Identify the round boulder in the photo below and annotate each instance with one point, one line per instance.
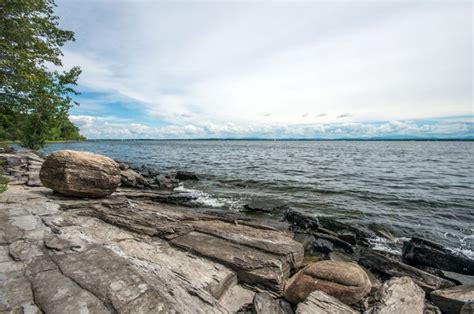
(343, 280)
(80, 174)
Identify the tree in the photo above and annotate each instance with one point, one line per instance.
(35, 97)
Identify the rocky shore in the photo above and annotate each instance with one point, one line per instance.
(81, 233)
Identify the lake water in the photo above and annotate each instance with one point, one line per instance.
(406, 188)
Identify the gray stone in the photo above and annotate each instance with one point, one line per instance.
(15, 291)
(22, 250)
(452, 300)
(399, 295)
(56, 293)
(113, 281)
(319, 302)
(264, 303)
(131, 178)
(59, 244)
(33, 179)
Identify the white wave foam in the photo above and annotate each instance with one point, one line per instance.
(386, 245)
(206, 200)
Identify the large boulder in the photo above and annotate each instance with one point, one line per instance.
(399, 295)
(80, 174)
(345, 281)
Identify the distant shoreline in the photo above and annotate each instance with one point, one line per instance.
(290, 140)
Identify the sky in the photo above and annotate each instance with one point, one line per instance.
(191, 69)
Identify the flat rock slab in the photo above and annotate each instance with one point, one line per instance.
(57, 294)
(453, 299)
(319, 302)
(270, 241)
(252, 266)
(111, 279)
(382, 264)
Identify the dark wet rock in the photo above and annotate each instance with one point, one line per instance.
(420, 251)
(163, 182)
(345, 281)
(315, 243)
(80, 174)
(399, 295)
(186, 175)
(459, 279)
(181, 199)
(468, 308)
(329, 226)
(147, 171)
(347, 237)
(286, 306)
(390, 267)
(123, 165)
(453, 299)
(301, 220)
(323, 246)
(264, 303)
(319, 302)
(340, 257)
(131, 178)
(266, 206)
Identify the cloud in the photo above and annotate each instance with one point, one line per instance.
(235, 66)
(344, 115)
(113, 127)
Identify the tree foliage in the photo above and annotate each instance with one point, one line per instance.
(35, 97)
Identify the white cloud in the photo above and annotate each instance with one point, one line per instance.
(270, 64)
(113, 127)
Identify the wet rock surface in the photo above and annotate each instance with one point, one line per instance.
(390, 267)
(420, 251)
(452, 300)
(186, 175)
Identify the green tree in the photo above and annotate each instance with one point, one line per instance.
(35, 97)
